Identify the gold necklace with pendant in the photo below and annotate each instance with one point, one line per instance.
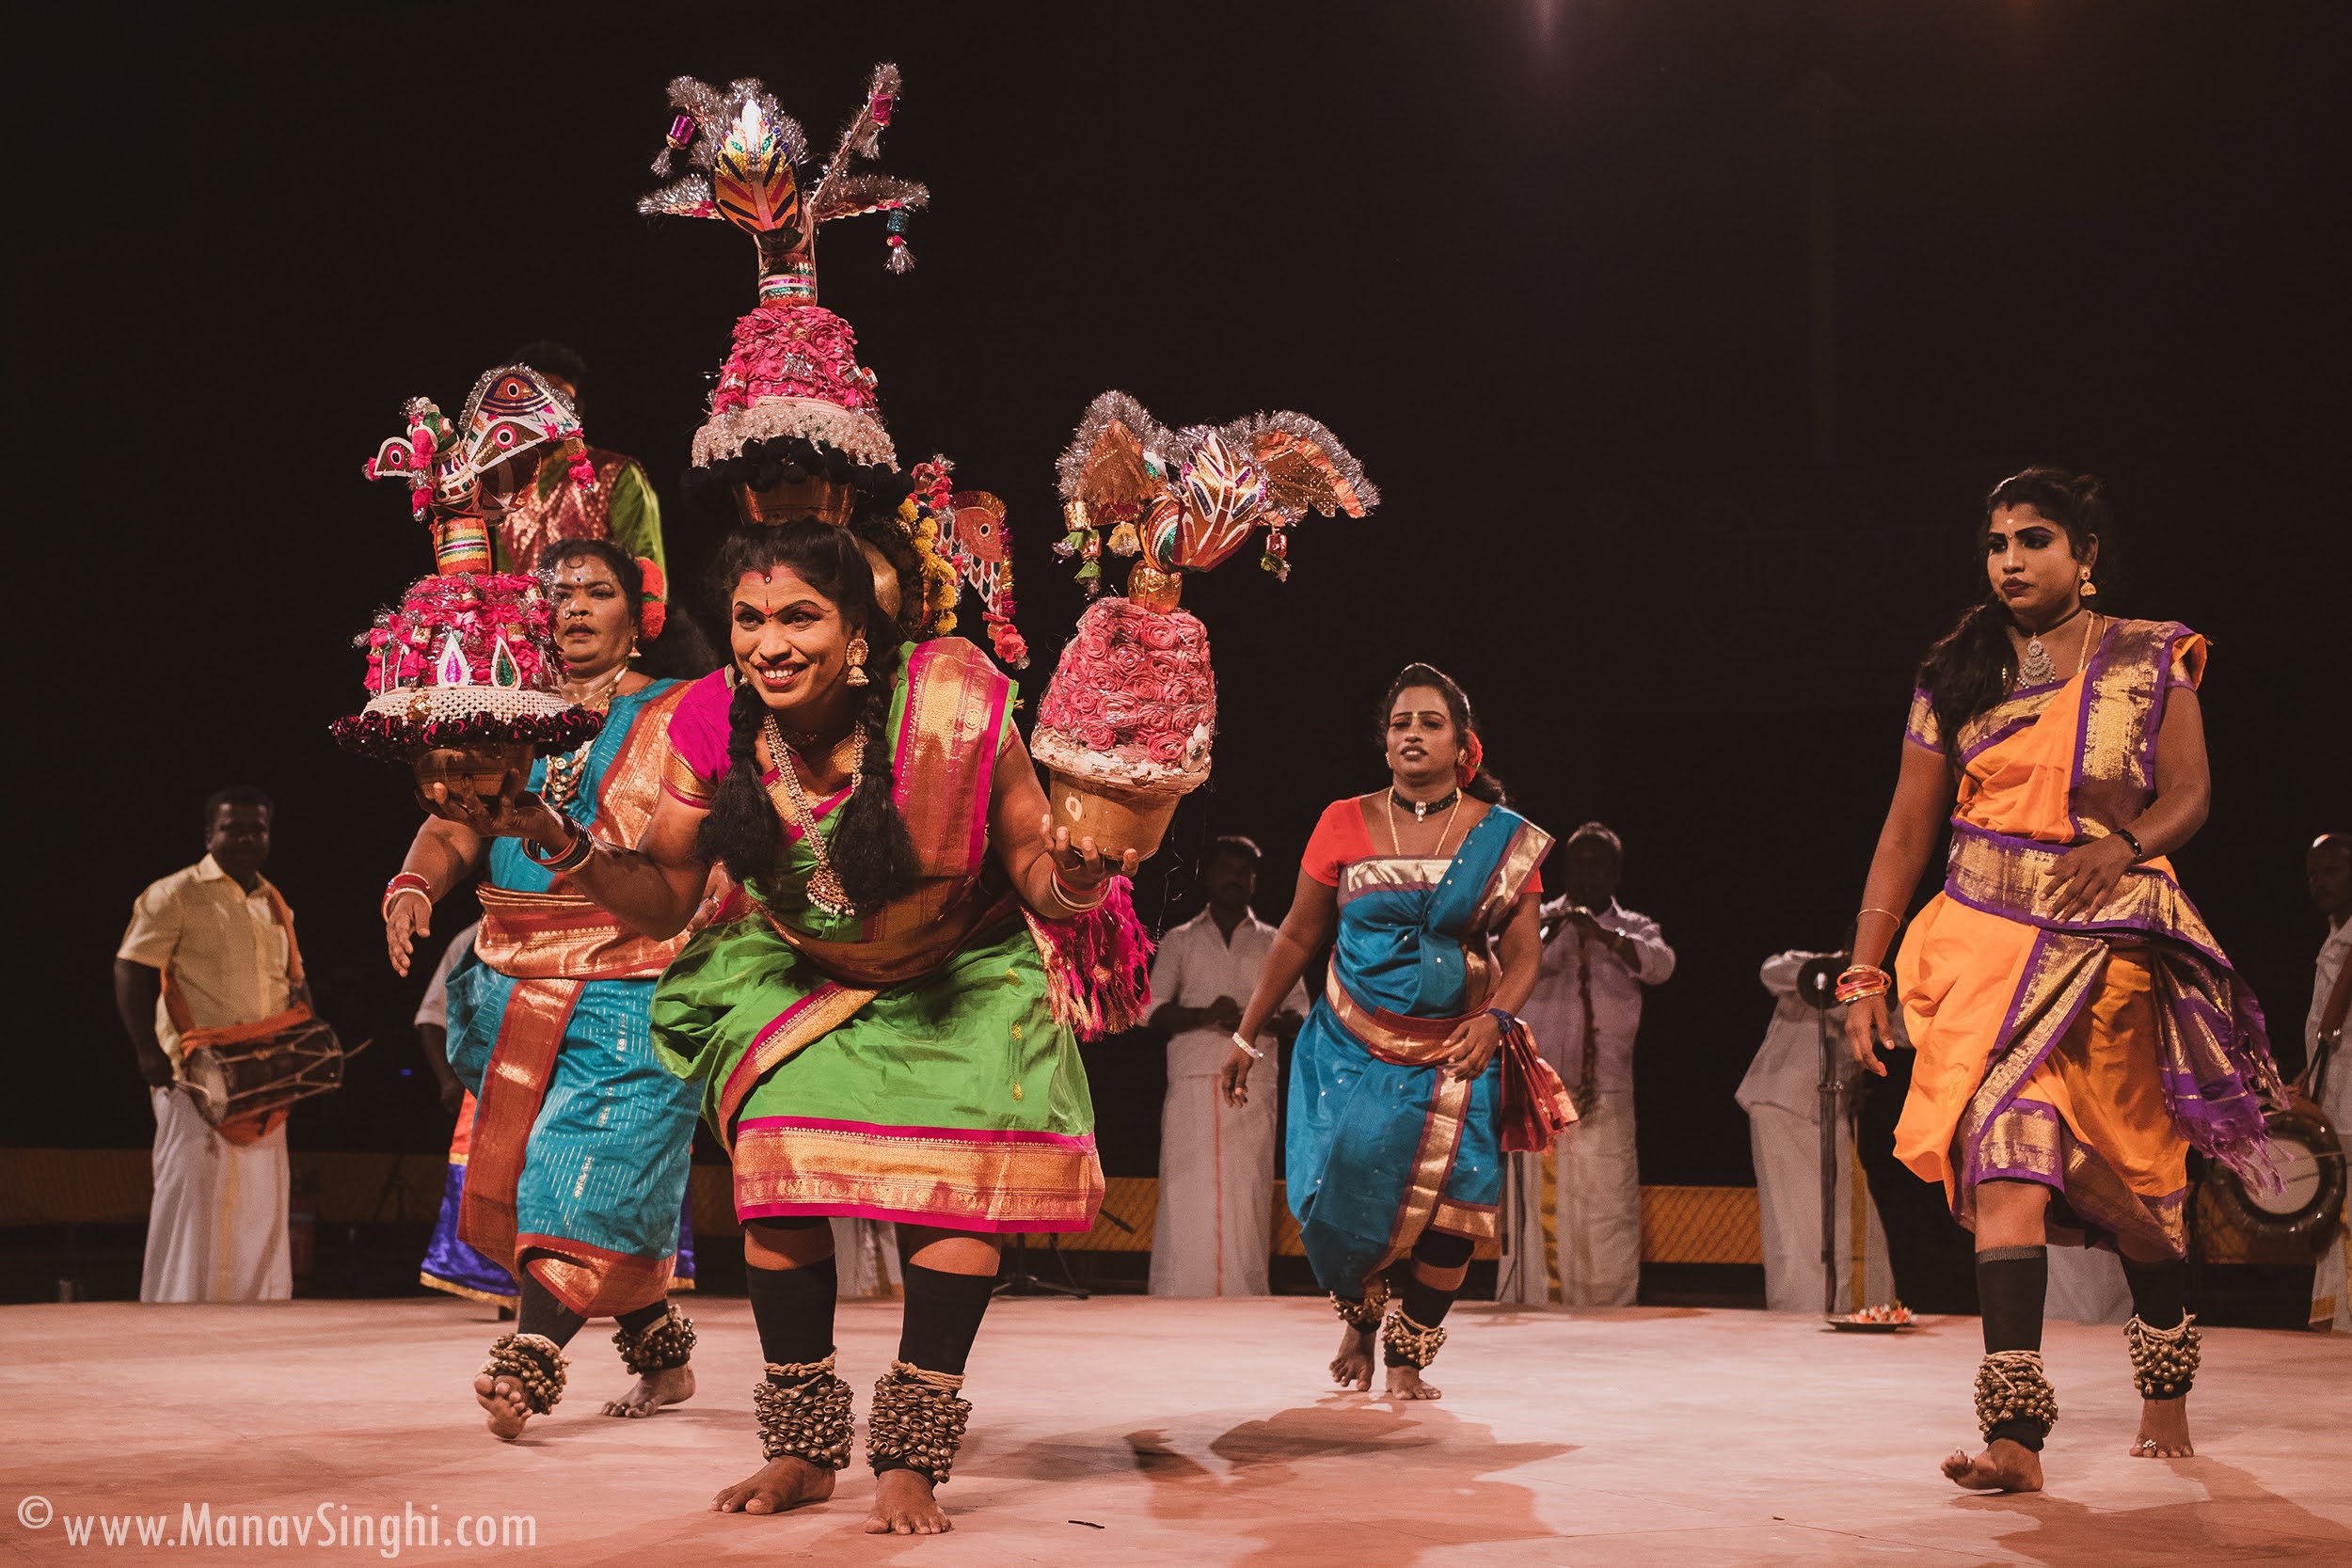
(564, 772)
(1453, 804)
(825, 892)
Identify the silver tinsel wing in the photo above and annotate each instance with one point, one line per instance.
(860, 139)
(859, 193)
(1114, 464)
(1305, 467)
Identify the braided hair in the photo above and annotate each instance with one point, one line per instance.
(1973, 665)
(871, 851)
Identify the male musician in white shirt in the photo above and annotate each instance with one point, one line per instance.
(2328, 1079)
(1574, 1214)
(207, 947)
(1215, 1228)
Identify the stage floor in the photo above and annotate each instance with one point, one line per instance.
(1189, 1432)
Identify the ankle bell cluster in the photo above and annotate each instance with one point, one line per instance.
(1363, 1316)
(533, 1360)
(917, 1422)
(2012, 1386)
(2164, 1360)
(1408, 1343)
(666, 1342)
(803, 1411)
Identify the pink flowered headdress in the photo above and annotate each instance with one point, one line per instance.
(793, 380)
(794, 429)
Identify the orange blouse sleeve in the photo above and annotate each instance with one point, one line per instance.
(1339, 840)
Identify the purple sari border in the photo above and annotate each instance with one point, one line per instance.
(2143, 925)
(1969, 751)
(2051, 1037)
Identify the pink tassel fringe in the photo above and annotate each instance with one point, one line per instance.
(1098, 965)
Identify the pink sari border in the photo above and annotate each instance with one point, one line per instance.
(1081, 1143)
(748, 1071)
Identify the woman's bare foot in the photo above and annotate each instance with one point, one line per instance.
(2163, 1430)
(1405, 1383)
(653, 1390)
(2004, 1467)
(1353, 1365)
(779, 1484)
(903, 1505)
(504, 1399)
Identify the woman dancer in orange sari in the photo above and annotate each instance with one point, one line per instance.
(2078, 1027)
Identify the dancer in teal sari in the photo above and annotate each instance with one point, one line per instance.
(582, 1139)
(1413, 1075)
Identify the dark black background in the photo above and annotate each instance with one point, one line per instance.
(1544, 267)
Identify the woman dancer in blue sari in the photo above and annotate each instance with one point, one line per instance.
(1412, 1076)
(582, 1140)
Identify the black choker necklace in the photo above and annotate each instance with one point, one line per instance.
(1420, 809)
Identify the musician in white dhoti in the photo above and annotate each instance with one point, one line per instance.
(2328, 1078)
(1574, 1215)
(1214, 1226)
(1782, 1096)
(210, 947)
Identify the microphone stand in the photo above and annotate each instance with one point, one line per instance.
(1816, 983)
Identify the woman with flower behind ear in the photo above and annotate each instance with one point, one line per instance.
(2078, 1027)
(1413, 1074)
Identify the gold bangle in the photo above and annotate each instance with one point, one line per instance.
(1859, 982)
(384, 910)
(1874, 910)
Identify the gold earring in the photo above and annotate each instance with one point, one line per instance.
(2090, 587)
(857, 662)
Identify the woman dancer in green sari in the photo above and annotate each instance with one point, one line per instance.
(884, 1023)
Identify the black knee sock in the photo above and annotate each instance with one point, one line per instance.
(645, 1317)
(2159, 1290)
(1442, 1249)
(542, 1313)
(2011, 1283)
(793, 1311)
(943, 1317)
(1420, 1300)
(1426, 1304)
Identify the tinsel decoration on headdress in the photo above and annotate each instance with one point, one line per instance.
(795, 430)
(1131, 710)
(1187, 500)
(468, 658)
(794, 372)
